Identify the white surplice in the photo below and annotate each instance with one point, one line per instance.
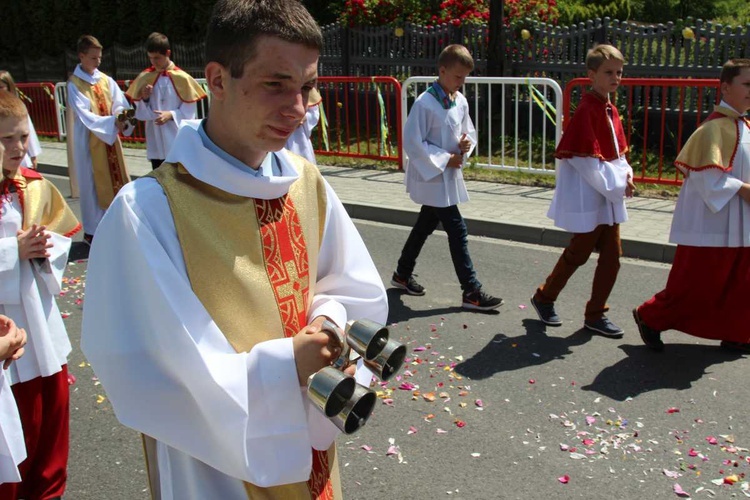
(431, 135)
(218, 416)
(103, 127)
(12, 447)
(159, 138)
(590, 191)
(709, 211)
(27, 295)
(35, 149)
(299, 142)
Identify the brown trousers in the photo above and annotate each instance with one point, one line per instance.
(604, 238)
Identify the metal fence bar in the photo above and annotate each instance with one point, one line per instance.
(654, 148)
(536, 103)
(40, 102)
(343, 97)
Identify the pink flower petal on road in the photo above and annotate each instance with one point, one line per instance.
(419, 349)
(521, 306)
(673, 410)
(407, 386)
(71, 379)
(392, 450)
(671, 474)
(692, 453)
(366, 447)
(441, 431)
(590, 420)
(479, 403)
(412, 430)
(711, 440)
(679, 491)
(564, 479)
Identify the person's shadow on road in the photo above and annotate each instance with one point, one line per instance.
(78, 251)
(644, 370)
(398, 311)
(504, 353)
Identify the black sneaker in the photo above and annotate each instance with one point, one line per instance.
(480, 301)
(408, 284)
(650, 337)
(603, 326)
(546, 312)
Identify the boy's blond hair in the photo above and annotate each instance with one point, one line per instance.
(11, 106)
(732, 68)
(456, 54)
(86, 42)
(600, 53)
(7, 79)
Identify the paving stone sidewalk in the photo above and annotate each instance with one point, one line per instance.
(496, 210)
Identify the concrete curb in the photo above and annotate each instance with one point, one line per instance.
(528, 233)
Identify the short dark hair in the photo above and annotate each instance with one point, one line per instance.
(456, 54)
(86, 42)
(157, 42)
(732, 68)
(236, 25)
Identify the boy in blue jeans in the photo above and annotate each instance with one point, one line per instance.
(438, 136)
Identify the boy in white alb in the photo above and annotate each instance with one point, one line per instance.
(218, 269)
(164, 96)
(35, 230)
(592, 181)
(97, 102)
(438, 135)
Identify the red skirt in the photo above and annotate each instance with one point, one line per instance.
(707, 295)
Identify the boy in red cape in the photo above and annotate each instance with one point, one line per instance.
(592, 181)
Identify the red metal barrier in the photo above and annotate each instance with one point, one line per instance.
(40, 101)
(677, 106)
(359, 126)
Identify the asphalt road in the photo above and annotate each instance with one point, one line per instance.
(495, 406)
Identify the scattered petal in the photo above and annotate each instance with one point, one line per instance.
(412, 430)
(564, 479)
(100, 399)
(673, 410)
(71, 379)
(366, 447)
(671, 474)
(679, 491)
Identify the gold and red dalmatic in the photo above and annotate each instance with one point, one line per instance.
(261, 278)
(108, 163)
(41, 202)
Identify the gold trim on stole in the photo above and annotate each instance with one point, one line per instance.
(44, 205)
(223, 250)
(103, 155)
(188, 90)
